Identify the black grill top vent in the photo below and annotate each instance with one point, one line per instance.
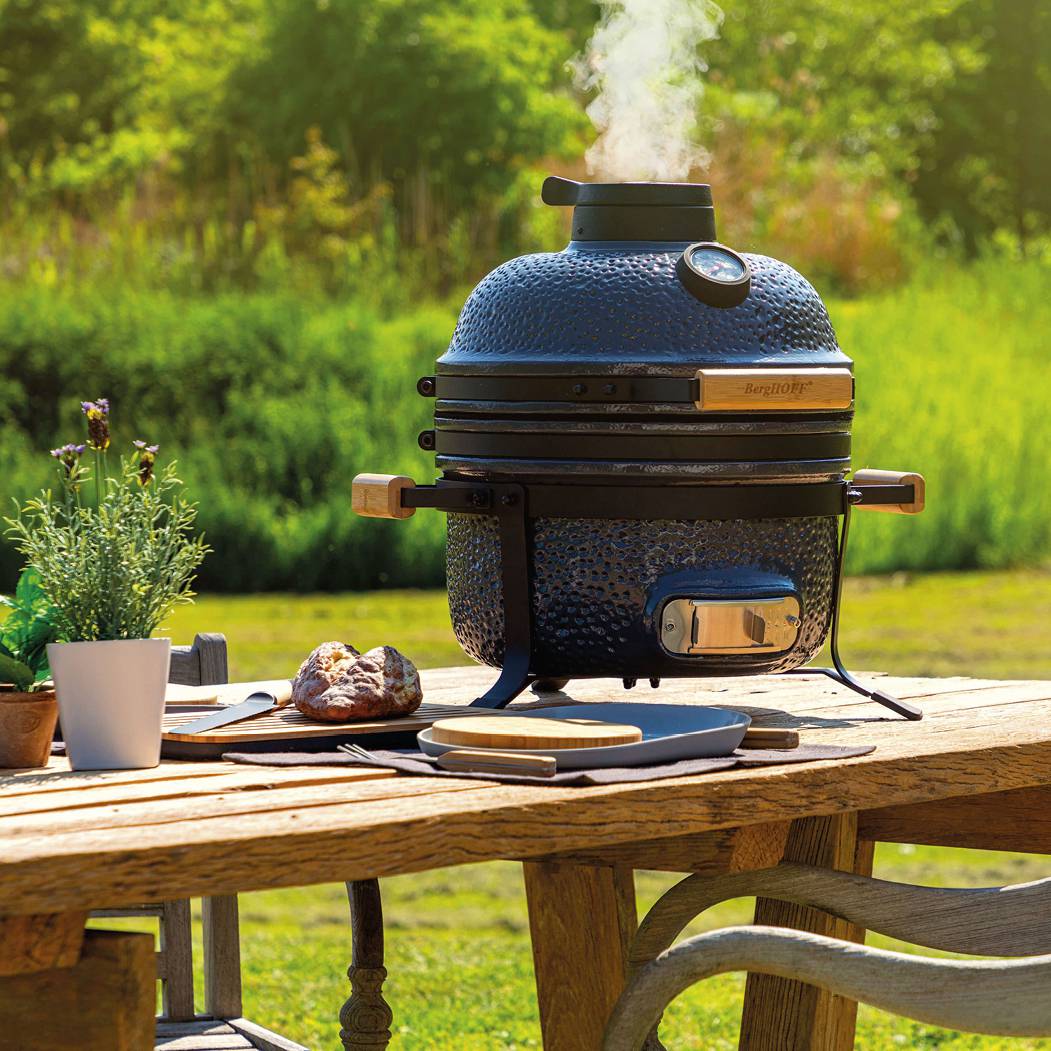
(635, 211)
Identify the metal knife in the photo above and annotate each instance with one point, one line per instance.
(255, 704)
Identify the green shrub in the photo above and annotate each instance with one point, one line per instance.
(270, 404)
(273, 403)
(952, 381)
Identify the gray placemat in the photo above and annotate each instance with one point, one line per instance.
(413, 762)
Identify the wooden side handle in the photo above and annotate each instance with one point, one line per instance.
(490, 761)
(919, 489)
(773, 390)
(379, 496)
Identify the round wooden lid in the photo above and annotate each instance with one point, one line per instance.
(511, 731)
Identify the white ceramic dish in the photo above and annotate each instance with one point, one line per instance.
(670, 732)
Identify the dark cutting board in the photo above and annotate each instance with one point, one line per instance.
(288, 730)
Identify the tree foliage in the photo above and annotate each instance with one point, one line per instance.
(986, 166)
(190, 134)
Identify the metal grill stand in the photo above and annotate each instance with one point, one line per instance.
(512, 504)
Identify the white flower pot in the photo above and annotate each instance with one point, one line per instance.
(111, 701)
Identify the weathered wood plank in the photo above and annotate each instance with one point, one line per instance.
(107, 999)
(225, 805)
(222, 956)
(57, 777)
(42, 942)
(213, 1042)
(263, 1039)
(1018, 820)
(581, 918)
(232, 779)
(204, 1026)
(176, 951)
(708, 853)
(781, 1014)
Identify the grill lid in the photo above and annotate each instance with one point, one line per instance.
(602, 359)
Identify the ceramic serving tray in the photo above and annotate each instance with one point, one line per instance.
(670, 732)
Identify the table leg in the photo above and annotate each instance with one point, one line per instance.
(582, 918)
(784, 1015)
(366, 1017)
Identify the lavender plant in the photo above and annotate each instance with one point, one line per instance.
(114, 553)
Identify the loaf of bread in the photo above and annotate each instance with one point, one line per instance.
(336, 683)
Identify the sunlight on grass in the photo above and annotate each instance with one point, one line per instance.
(983, 624)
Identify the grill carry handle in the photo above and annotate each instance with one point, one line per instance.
(911, 504)
(379, 495)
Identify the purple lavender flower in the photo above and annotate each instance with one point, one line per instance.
(69, 456)
(147, 458)
(97, 413)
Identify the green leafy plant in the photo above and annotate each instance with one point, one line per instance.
(112, 554)
(24, 634)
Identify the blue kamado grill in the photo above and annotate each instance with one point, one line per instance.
(644, 445)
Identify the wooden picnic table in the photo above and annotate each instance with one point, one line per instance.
(975, 772)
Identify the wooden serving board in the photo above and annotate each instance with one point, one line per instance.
(287, 729)
(529, 732)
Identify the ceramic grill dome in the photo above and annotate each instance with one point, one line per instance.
(603, 307)
(644, 441)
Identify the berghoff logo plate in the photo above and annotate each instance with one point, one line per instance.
(773, 390)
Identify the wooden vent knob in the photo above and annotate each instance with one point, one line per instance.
(511, 731)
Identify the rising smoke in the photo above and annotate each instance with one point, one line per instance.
(644, 61)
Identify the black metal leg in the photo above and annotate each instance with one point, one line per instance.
(517, 601)
(366, 1017)
(839, 671)
(514, 678)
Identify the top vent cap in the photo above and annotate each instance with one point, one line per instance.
(559, 191)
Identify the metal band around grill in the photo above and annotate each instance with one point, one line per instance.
(693, 448)
(617, 389)
(699, 502)
(750, 390)
(647, 502)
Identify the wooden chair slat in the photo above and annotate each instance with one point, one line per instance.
(997, 921)
(1000, 998)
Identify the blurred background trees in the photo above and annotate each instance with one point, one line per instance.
(189, 127)
(250, 223)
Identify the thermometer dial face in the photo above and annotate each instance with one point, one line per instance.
(715, 274)
(718, 264)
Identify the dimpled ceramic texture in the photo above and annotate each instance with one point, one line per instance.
(622, 305)
(618, 308)
(591, 580)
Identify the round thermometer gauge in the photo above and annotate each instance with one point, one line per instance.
(715, 274)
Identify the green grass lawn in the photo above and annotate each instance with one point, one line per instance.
(458, 944)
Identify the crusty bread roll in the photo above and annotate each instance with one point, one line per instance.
(338, 684)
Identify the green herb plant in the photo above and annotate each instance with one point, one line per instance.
(113, 554)
(24, 634)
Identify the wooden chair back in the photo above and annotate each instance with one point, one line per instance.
(204, 663)
(996, 997)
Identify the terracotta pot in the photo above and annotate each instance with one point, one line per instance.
(27, 725)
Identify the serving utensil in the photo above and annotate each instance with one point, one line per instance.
(464, 760)
(255, 704)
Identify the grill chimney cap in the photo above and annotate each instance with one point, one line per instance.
(559, 191)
